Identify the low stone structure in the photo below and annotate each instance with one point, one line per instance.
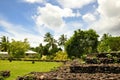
(5, 73)
(74, 70)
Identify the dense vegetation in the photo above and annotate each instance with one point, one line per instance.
(80, 43)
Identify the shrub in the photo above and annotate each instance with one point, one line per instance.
(109, 55)
(115, 59)
(61, 55)
(84, 56)
(44, 57)
(2, 78)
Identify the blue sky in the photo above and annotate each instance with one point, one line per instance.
(31, 19)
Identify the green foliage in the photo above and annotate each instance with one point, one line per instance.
(62, 40)
(109, 55)
(45, 50)
(52, 51)
(103, 47)
(83, 56)
(2, 78)
(51, 42)
(18, 48)
(51, 46)
(103, 44)
(114, 43)
(60, 55)
(44, 57)
(109, 43)
(82, 42)
(4, 44)
(115, 59)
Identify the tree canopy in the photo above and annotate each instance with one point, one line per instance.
(82, 42)
(18, 48)
(4, 44)
(109, 43)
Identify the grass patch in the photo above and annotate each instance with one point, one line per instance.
(20, 68)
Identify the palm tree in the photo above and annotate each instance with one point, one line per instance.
(4, 44)
(50, 40)
(62, 40)
(47, 37)
(105, 36)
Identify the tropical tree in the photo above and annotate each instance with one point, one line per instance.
(109, 43)
(18, 48)
(51, 43)
(82, 42)
(114, 43)
(62, 40)
(4, 44)
(105, 36)
(103, 44)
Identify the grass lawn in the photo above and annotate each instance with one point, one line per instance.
(20, 68)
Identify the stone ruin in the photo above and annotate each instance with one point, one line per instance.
(102, 66)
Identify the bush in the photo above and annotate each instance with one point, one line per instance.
(44, 57)
(60, 55)
(115, 59)
(109, 55)
(84, 56)
(2, 78)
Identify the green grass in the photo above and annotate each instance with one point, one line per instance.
(20, 68)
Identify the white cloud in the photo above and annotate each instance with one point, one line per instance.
(68, 29)
(17, 32)
(109, 21)
(34, 1)
(89, 17)
(74, 3)
(109, 8)
(51, 16)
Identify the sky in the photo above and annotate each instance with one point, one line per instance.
(31, 19)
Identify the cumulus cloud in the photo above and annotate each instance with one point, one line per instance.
(51, 16)
(109, 21)
(34, 1)
(74, 3)
(89, 17)
(109, 8)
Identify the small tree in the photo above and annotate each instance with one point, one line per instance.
(51, 45)
(18, 48)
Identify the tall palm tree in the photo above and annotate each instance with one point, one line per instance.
(50, 40)
(4, 44)
(62, 40)
(47, 37)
